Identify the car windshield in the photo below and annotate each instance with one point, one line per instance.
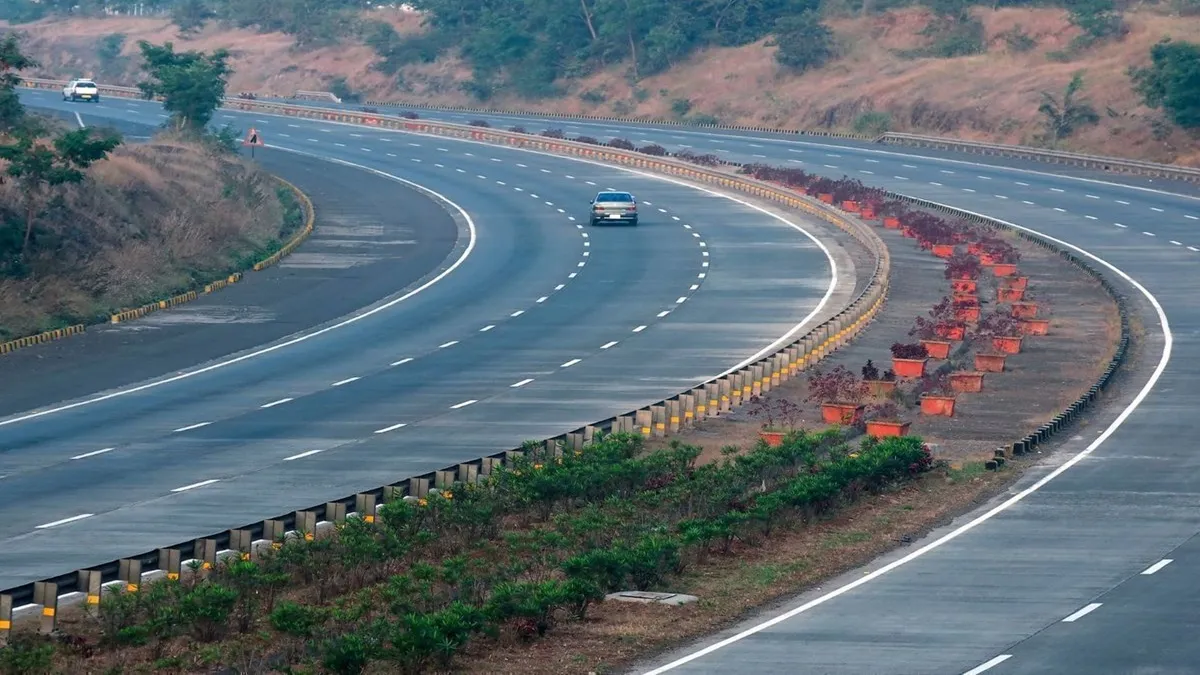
(614, 197)
(85, 83)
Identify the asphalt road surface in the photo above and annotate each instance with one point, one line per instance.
(535, 325)
(1066, 573)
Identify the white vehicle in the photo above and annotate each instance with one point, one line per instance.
(81, 89)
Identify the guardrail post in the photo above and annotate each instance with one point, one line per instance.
(45, 593)
(736, 382)
(687, 404)
(170, 562)
(645, 421)
(273, 531)
(6, 608)
(674, 419)
(242, 542)
(364, 504)
(725, 389)
(469, 473)
(443, 479)
(130, 572)
(335, 512)
(89, 585)
(747, 384)
(392, 493)
(489, 464)
(589, 434)
(758, 385)
(206, 552)
(658, 414)
(418, 487)
(306, 524)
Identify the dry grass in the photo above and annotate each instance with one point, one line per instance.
(152, 220)
(996, 100)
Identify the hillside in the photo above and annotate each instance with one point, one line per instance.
(152, 220)
(990, 96)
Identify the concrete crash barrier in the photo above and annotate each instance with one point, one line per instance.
(706, 400)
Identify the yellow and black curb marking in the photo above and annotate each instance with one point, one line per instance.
(48, 336)
(310, 217)
(138, 312)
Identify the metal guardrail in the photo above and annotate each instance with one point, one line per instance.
(709, 399)
(1094, 162)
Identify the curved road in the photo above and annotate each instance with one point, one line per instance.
(540, 325)
(1087, 564)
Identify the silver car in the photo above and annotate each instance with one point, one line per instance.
(614, 207)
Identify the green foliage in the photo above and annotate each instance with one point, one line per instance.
(206, 610)
(12, 61)
(953, 37)
(1172, 81)
(108, 53)
(191, 83)
(804, 42)
(1063, 117)
(1098, 19)
(680, 107)
(296, 619)
(341, 89)
(27, 655)
(1017, 40)
(39, 167)
(873, 123)
(397, 51)
(190, 15)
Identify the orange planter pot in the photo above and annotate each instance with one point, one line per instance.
(990, 363)
(880, 388)
(1015, 282)
(882, 429)
(986, 260)
(1007, 345)
(1009, 294)
(891, 223)
(772, 438)
(964, 285)
(1004, 269)
(850, 206)
(937, 349)
(1035, 326)
(841, 413)
(967, 382)
(949, 332)
(937, 405)
(967, 313)
(867, 214)
(825, 197)
(966, 298)
(943, 250)
(908, 233)
(974, 249)
(1024, 310)
(908, 367)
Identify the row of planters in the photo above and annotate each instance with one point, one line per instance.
(501, 561)
(963, 339)
(652, 149)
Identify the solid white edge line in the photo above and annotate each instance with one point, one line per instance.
(1087, 609)
(988, 665)
(310, 453)
(93, 453)
(193, 486)
(471, 241)
(1157, 566)
(1168, 341)
(64, 521)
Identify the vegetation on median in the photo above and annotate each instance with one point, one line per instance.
(504, 560)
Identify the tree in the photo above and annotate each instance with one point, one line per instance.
(190, 15)
(192, 84)
(1063, 118)
(12, 61)
(39, 167)
(1098, 19)
(803, 41)
(1172, 81)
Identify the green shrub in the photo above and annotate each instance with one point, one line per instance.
(206, 609)
(804, 42)
(27, 655)
(1172, 81)
(873, 123)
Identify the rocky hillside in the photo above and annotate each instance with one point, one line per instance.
(877, 78)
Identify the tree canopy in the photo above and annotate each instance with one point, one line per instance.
(191, 84)
(1172, 81)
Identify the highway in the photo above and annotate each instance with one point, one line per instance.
(1054, 576)
(540, 325)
